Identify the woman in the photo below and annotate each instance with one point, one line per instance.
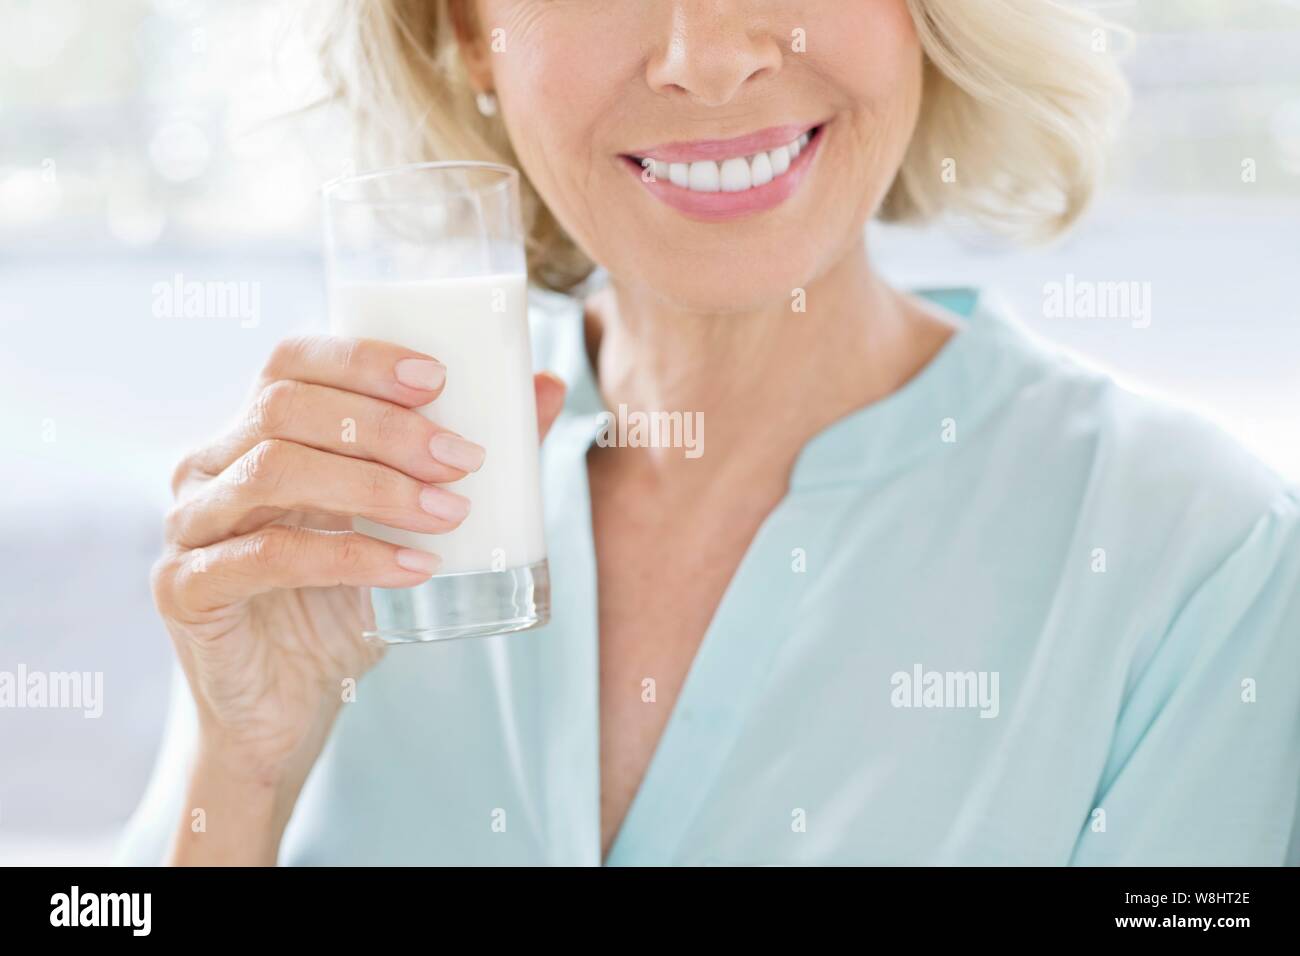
(932, 594)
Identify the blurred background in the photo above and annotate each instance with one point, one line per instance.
(146, 140)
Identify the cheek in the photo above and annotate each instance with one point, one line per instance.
(558, 88)
(555, 85)
(874, 59)
(872, 52)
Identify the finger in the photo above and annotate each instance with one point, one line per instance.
(276, 477)
(344, 423)
(197, 582)
(550, 390)
(365, 366)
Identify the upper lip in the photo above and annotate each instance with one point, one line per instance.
(701, 150)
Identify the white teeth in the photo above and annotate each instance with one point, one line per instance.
(704, 177)
(731, 175)
(780, 159)
(735, 176)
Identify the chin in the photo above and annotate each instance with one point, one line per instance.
(723, 274)
(720, 289)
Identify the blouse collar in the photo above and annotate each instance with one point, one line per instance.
(939, 407)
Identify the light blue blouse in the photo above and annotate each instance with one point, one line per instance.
(1011, 614)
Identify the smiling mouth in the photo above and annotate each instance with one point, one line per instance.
(734, 174)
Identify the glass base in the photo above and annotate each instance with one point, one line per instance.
(471, 604)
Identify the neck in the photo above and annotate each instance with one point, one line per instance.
(764, 382)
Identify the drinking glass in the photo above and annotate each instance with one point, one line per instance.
(430, 256)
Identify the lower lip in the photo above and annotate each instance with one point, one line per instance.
(722, 207)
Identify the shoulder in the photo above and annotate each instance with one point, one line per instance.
(1167, 482)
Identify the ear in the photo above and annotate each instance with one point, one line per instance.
(472, 42)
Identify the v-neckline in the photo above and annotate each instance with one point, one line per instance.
(724, 673)
(701, 724)
(740, 641)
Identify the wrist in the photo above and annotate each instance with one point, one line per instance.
(241, 766)
(236, 810)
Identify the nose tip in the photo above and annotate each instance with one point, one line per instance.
(710, 57)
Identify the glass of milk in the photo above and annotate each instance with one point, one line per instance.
(431, 256)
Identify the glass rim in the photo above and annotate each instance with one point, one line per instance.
(330, 190)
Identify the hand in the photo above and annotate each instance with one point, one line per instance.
(262, 585)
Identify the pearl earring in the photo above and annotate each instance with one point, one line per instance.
(487, 103)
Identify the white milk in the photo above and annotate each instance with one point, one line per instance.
(478, 328)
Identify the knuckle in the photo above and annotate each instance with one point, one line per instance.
(263, 465)
(273, 408)
(174, 522)
(392, 425)
(181, 577)
(349, 554)
(270, 547)
(162, 581)
(379, 485)
(287, 355)
(186, 467)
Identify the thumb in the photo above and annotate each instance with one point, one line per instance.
(550, 390)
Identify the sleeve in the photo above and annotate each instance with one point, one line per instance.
(148, 834)
(1204, 765)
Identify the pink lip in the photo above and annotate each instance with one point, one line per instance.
(719, 149)
(720, 206)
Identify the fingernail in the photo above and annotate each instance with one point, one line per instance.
(419, 561)
(456, 451)
(421, 373)
(443, 504)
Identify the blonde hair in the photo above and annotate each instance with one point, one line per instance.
(1019, 106)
